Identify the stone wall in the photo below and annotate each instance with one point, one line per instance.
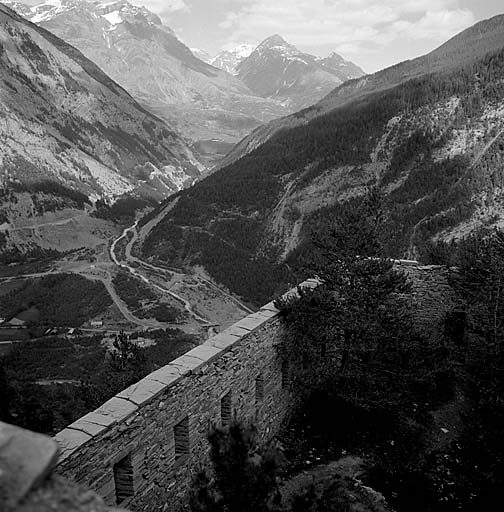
(432, 294)
(140, 449)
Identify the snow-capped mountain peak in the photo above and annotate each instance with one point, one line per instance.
(114, 12)
(50, 8)
(202, 55)
(121, 10)
(277, 69)
(275, 41)
(278, 46)
(18, 7)
(242, 50)
(228, 60)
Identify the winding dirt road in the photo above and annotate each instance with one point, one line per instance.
(130, 259)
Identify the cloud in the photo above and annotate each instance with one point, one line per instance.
(435, 23)
(356, 25)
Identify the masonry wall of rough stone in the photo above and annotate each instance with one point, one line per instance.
(432, 295)
(136, 428)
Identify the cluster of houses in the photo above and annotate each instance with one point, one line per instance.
(18, 323)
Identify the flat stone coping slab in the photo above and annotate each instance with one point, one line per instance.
(70, 440)
(143, 391)
(223, 341)
(251, 322)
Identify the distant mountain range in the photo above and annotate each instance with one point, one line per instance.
(211, 108)
(278, 70)
(428, 133)
(63, 119)
(145, 57)
(68, 121)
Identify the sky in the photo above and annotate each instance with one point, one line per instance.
(372, 33)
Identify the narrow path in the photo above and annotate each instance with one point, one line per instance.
(59, 222)
(28, 276)
(485, 149)
(222, 292)
(123, 308)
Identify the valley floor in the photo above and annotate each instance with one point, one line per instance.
(205, 307)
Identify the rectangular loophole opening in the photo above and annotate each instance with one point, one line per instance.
(259, 389)
(181, 434)
(123, 479)
(226, 408)
(285, 374)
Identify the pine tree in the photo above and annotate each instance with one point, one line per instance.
(243, 476)
(352, 337)
(127, 355)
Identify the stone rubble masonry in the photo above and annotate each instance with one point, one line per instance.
(432, 295)
(137, 425)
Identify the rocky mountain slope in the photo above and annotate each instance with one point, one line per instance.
(135, 49)
(430, 138)
(62, 119)
(278, 70)
(463, 48)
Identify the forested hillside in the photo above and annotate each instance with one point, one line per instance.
(433, 147)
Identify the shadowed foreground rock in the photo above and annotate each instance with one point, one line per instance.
(26, 481)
